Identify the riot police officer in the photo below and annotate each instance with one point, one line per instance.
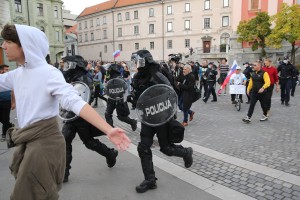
(295, 79)
(247, 72)
(75, 71)
(286, 70)
(211, 74)
(119, 104)
(149, 74)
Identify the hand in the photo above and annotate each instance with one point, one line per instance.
(118, 137)
(277, 88)
(248, 93)
(261, 90)
(13, 106)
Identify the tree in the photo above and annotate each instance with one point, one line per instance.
(255, 31)
(287, 28)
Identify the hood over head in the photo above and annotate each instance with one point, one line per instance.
(35, 45)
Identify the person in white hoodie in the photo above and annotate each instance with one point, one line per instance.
(39, 159)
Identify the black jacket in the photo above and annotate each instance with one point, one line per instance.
(187, 89)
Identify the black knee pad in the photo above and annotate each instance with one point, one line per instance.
(143, 149)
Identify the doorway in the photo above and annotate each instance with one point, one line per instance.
(206, 46)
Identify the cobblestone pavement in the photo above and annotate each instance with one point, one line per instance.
(273, 144)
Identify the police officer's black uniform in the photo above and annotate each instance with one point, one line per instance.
(295, 79)
(211, 74)
(286, 70)
(121, 105)
(247, 72)
(85, 130)
(149, 75)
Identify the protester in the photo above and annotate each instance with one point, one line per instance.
(39, 88)
(237, 78)
(224, 69)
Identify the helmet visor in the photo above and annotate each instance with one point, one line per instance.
(69, 65)
(138, 61)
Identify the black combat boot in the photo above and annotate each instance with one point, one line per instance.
(130, 121)
(102, 149)
(149, 183)
(185, 153)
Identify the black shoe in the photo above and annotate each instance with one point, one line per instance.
(204, 100)
(287, 104)
(248, 102)
(213, 100)
(66, 179)
(146, 185)
(282, 102)
(112, 158)
(188, 159)
(292, 95)
(242, 101)
(134, 125)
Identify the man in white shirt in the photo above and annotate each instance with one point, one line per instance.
(237, 78)
(39, 159)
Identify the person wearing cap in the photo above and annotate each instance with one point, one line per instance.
(211, 74)
(286, 70)
(224, 69)
(237, 78)
(247, 72)
(273, 74)
(258, 84)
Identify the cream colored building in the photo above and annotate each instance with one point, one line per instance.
(162, 27)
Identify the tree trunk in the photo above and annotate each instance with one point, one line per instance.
(293, 53)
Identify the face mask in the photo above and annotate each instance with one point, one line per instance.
(285, 61)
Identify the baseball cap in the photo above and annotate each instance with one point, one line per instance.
(238, 67)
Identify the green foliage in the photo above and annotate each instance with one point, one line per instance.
(256, 30)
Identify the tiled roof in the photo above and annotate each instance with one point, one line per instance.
(111, 4)
(73, 29)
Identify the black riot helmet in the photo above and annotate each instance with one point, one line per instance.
(71, 62)
(141, 58)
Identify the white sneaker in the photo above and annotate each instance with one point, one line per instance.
(264, 118)
(247, 119)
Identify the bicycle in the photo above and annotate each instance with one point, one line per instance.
(237, 90)
(238, 102)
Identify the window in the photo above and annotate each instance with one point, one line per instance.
(85, 37)
(225, 3)
(92, 36)
(225, 21)
(119, 32)
(187, 43)
(18, 6)
(104, 34)
(57, 36)
(169, 26)
(187, 7)
(40, 9)
(55, 12)
(151, 45)
(91, 23)
(120, 47)
(206, 22)
(169, 10)
(151, 28)
(105, 48)
(206, 4)
(187, 24)
(151, 12)
(80, 38)
(79, 26)
(127, 16)
(97, 22)
(136, 30)
(136, 46)
(224, 41)
(104, 20)
(169, 44)
(119, 17)
(136, 14)
(85, 24)
(254, 4)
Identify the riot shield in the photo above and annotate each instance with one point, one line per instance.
(84, 92)
(157, 105)
(116, 89)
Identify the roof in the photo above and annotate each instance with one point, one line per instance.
(73, 29)
(111, 4)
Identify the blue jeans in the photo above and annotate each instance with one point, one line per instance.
(186, 114)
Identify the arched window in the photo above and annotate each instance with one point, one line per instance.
(224, 40)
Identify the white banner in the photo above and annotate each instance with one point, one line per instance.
(237, 89)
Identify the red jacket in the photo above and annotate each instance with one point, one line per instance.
(273, 74)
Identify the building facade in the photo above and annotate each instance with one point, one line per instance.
(4, 19)
(163, 27)
(45, 15)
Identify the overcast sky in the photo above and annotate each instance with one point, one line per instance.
(77, 6)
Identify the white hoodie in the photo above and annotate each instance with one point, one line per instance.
(38, 86)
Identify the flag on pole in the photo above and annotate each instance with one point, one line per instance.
(117, 53)
(232, 70)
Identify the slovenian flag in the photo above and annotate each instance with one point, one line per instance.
(232, 70)
(117, 53)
